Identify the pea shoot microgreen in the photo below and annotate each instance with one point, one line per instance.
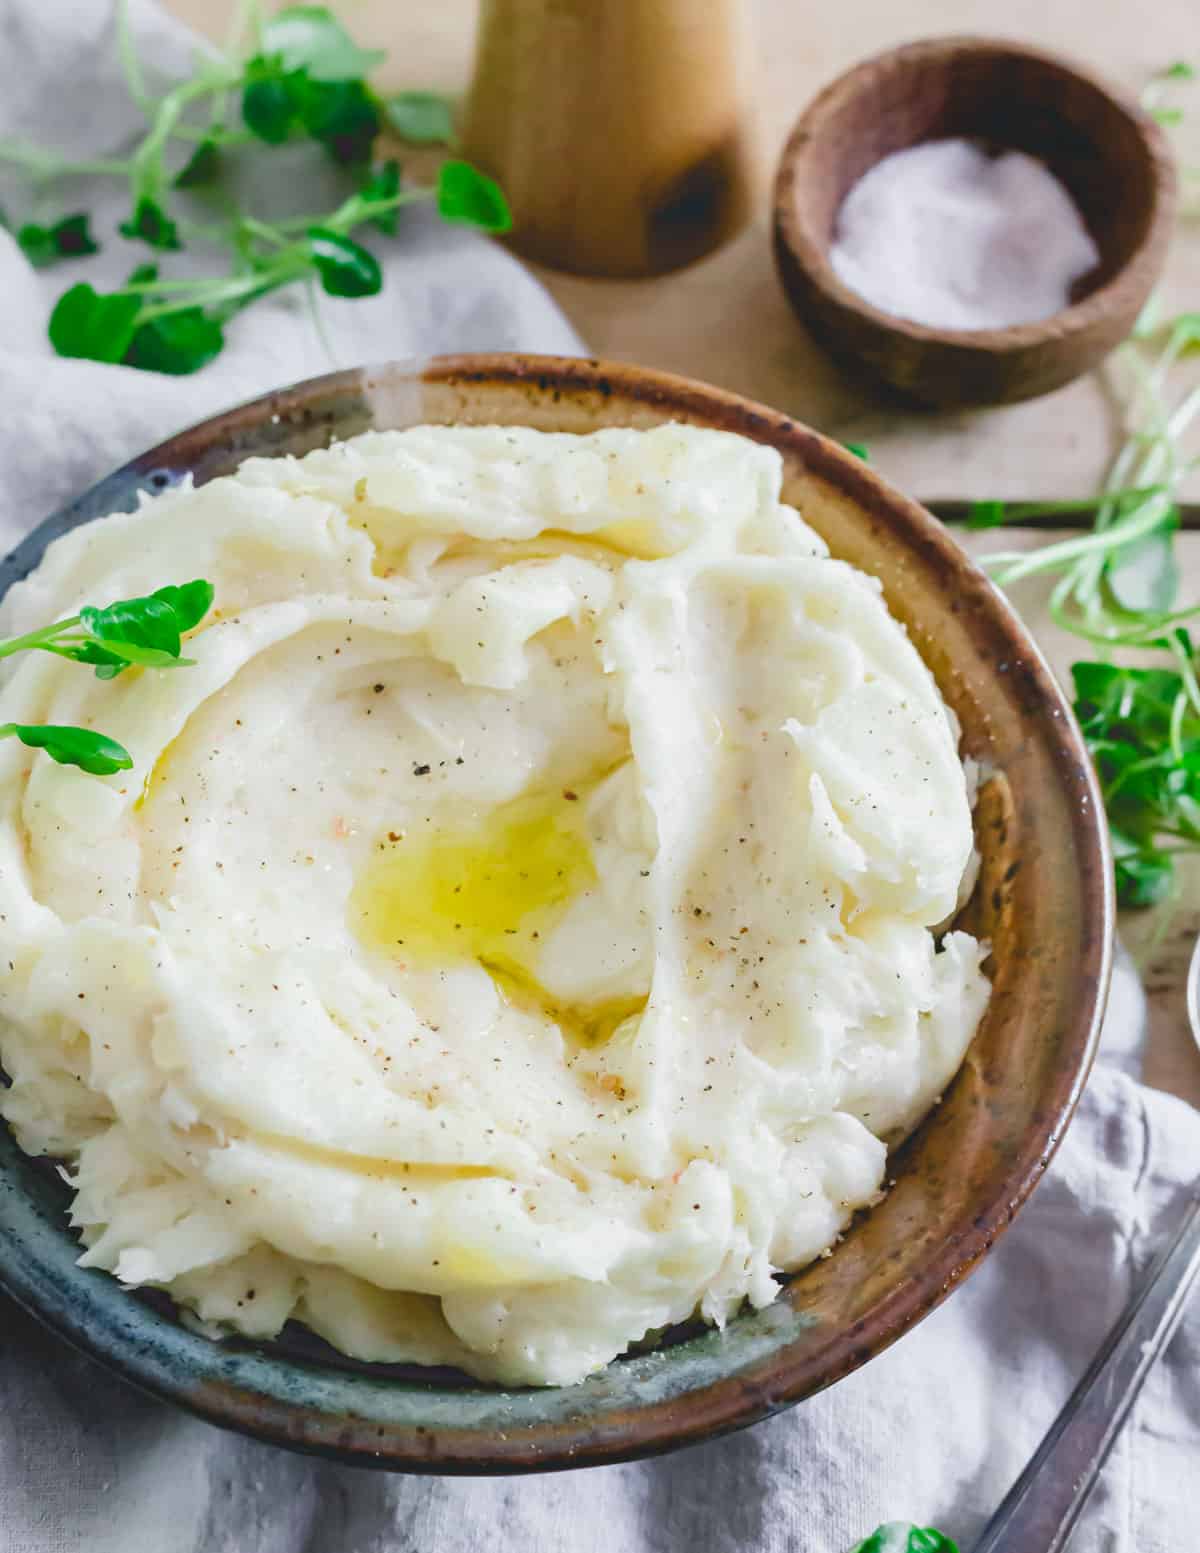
(90, 751)
(903, 1537)
(1116, 587)
(1153, 97)
(302, 76)
(139, 632)
(69, 238)
(421, 118)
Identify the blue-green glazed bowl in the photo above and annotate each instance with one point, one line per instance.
(1044, 899)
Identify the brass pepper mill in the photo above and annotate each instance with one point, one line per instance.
(618, 128)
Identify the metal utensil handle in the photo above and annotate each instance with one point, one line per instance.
(1041, 1508)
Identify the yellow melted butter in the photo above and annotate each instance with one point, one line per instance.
(155, 776)
(416, 1172)
(488, 890)
(482, 1269)
(480, 891)
(630, 539)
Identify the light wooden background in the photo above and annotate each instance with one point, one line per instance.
(725, 318)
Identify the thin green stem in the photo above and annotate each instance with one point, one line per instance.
(264, 231)
(147, 173)
(234, 292)
(1187, 673)
(368, 210)
(239, 24)
(33, 639)
(1135, 768)
(354, 212)
(1020, 564)
(217, 133)
(1148, 636)
(313, 300)
(249, 35)
(1021, 511)
(192, 288)
(131, 65)
(229, 294)
(1175, 735)
(206, 232)
(45, 165)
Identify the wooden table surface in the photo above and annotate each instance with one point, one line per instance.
(725, 318)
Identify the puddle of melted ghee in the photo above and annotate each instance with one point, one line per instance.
(590, 1024)
(488, 890)
(630, 539)
(155, 776)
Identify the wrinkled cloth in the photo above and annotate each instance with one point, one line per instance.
(66, 423)
(934, 1429)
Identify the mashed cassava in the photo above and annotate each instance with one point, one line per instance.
(518, 930)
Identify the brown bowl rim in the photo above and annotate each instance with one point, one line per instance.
(772, 1384)
(811, 256)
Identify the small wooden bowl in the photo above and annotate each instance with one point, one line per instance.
(1111, 157)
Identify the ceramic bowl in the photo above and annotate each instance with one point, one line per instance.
(1044, 897)
(1110, 155)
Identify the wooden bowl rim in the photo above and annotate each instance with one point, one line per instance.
(792, 229)
(229, 1385)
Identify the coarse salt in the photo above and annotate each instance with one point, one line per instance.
(945, 235)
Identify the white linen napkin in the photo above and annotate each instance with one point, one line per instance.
(933, 1430)
(66, 423)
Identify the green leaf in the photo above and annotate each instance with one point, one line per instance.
(1184, 333)
(924, 1539)
(190, 601)
(72, 237)
(176, 343)
(36, 244)
(903, 1537)
(1101, 688)
(269, 107)
(144, 631)
(421, 118)
(467, 196)
(309, 72)
(341, 115)
(859, 449)
(345, 268)
(150, 621)
(1144, 737)
(1144, 877)
(151, 224)
(142, 275)
(310, 38)
(203, 166)
(130, 653)
(383, 183)
(69, 238)
(107, 664)
(1179, 71)
(81, 747)
(92, 325)
(1145, 577)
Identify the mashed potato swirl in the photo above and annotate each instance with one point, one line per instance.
(518, 930)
